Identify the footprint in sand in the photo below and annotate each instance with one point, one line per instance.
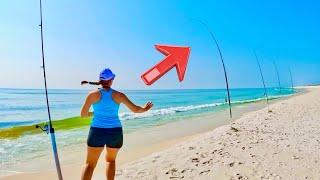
(239, 177)
(214, 151)
(204, 172)
(231, 164)
(195, 160)
(175, 174)
(185, 170)
(207, 162)
(173, 170)
(176, 177)
(295, 157)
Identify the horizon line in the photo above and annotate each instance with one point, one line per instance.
(286, 87)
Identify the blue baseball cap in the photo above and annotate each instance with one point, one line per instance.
(106, 75)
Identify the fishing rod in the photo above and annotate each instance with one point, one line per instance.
(291, 79)
(48, 128)
(276, 68)
(263, 82)
(222, 61)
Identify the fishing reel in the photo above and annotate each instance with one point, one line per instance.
(44, 128)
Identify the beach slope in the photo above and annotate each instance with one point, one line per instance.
(282, 144)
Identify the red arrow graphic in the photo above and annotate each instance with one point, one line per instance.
(175, 56)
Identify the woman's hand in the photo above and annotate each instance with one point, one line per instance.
(148, 106)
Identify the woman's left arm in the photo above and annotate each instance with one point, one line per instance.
(134, 108)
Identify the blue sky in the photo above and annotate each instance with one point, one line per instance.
(83, 37)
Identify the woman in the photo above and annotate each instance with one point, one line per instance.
(106, 128)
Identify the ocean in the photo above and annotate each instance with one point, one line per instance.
(25, 107)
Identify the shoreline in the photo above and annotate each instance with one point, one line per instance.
(76, 122)
(133, 151)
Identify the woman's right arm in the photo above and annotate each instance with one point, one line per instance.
(134, 108)
(86, 106)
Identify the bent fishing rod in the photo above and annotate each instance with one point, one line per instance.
(262, 79)
(48, 128)
(222, 61)
(291, 79)
(276, 68)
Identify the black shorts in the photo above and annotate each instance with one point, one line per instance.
(110, 137)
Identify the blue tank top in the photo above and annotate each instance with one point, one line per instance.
(105, 111)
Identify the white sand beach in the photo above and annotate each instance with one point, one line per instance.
(282, 144)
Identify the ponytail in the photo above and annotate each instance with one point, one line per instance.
(88, 82)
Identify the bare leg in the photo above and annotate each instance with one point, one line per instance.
(111, 162)
(93, 154)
